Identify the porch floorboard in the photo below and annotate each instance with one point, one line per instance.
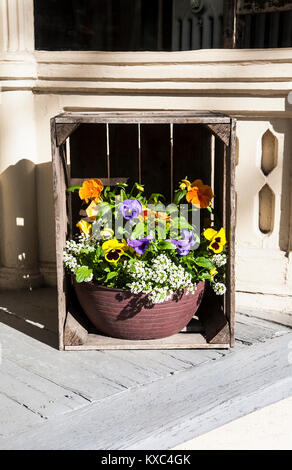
(129, 399)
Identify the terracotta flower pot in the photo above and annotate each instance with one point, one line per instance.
(121, 314)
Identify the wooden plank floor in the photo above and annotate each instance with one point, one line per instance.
(121, 399)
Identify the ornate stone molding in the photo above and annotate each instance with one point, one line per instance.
(17, 25)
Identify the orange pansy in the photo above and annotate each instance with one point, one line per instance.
(200, 195)
(91, 189)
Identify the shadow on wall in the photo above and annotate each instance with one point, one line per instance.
(27, 231)
(46, 222)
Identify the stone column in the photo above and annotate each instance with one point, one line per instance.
(18, 202)
(16, 25)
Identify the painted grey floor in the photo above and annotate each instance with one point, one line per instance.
(129, 399)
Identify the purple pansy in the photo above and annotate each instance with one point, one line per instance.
(131, 208)
(185, 244)
(140, 246)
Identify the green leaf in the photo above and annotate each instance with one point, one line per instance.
(205, 276)
(85, 251)
(179, 194)
(98, 252)
(123, 195)
(138, 230)
(204, 262)
(106, 190)
(180, 222)
(103, 208)
(111, 275)
(73, 188)
(172, 209)
(82, 273)
(161, 230)
(165, 245)
(155, 197)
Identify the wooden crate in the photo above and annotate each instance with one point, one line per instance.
(158, 149)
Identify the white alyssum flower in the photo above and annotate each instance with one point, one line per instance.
(219, 288)
(219, 259)
(73, 249)
(70, 262)
(159, 281)
(89, 278)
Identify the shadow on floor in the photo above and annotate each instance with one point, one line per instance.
(34, 313)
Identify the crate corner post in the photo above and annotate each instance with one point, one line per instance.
(60, 187)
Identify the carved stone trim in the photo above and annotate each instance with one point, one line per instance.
(16, 25)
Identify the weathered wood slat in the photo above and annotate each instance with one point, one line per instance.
(74, 332)
(71, 372)
(179, 341)
(252, 330)
(106, 181)
(273, 321)
(92, 374)
(198, 117)
(264, 377)
(39, 395)
(277, 318)
(39, 383)
(198, 357)
(15, 417)
(230, 223)
(59, 184)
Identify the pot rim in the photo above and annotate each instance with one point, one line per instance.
(116, 289)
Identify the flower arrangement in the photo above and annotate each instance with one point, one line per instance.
(129, 241)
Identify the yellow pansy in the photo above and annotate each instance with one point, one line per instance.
(185, 184)
(112, 256)
(217, 239)
(92, 210)
(213, 272)
(140, 187)
(113, 249)
(84, 226)
(107, 233)
(113, 244)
